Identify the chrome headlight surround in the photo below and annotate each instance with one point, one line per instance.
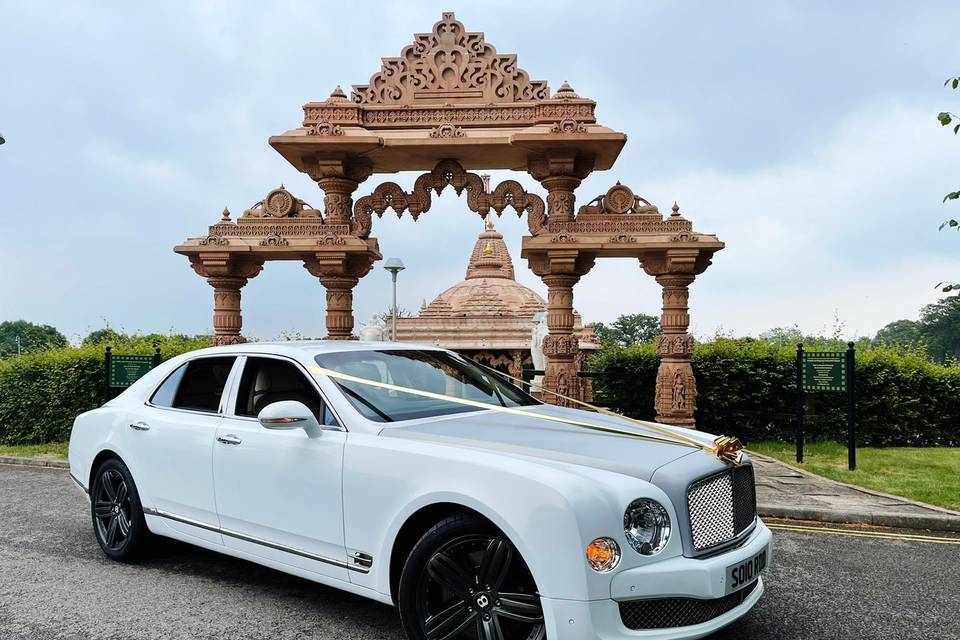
(646, 525)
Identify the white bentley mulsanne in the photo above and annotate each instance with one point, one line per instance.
(478, 511)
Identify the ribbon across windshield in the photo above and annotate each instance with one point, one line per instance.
(404, 384)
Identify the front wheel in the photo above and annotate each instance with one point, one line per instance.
(465, 580)
(117, 515)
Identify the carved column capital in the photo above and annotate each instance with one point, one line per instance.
(339, 178)
(560, 173)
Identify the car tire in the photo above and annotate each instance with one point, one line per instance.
(118, 522)
(465, 579)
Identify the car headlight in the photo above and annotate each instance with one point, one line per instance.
(603, 554)
(646, 525)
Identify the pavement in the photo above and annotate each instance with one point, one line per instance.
(785, 491)
(55, 583)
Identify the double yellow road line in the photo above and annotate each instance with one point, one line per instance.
(860, 533)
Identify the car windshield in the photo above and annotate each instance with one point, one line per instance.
(434, 371)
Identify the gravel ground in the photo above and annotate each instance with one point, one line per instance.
(56, 583)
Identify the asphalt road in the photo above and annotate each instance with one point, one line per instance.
(56, 583)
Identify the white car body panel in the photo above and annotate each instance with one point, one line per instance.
(339, 492)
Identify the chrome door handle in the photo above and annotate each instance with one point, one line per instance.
(140, 426)
(229, 439)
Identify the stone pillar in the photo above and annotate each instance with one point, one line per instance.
(560, 174)
(560, 197)
(676, 388)
(560, 346)
(339, 306)
(337, 198)
(227, 318)
(227, 274)
(339, 273)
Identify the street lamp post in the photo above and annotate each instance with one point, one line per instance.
(394, 266)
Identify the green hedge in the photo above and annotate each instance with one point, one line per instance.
(41, 393)
(747, 388)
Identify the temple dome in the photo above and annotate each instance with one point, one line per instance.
(489, 288)
(488, 314)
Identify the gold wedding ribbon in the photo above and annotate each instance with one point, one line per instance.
(723, 451)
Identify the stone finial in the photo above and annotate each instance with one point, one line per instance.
(226, 215)
(490, 224)
(676, 210)
(337, 95)
(565, 92)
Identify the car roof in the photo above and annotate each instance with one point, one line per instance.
(312, 347)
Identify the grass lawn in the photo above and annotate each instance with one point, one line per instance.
(51, 451)
(930, 474)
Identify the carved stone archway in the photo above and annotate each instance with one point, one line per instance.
(448, 105)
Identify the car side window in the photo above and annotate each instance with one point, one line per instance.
(167, 392)
(268, 380)
(200, 384)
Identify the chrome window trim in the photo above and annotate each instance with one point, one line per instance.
(226, 387)
(252, 539)
(231, 409)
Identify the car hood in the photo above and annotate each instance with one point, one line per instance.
(515, 434)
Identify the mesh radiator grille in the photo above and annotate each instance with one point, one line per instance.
(721, 507)
(666, 613)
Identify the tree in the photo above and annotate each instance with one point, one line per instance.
(940, 327)
(782, 335)
(900, 333)
(634, 328)
(946, 119)
(33, 337)
(102, 336)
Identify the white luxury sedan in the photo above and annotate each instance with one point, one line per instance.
(415, 477)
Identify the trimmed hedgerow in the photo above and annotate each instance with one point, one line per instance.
(747, 388)
(42, 392)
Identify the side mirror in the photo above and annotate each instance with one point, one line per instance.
(288, 414)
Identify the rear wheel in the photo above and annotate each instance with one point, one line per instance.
(465, 580)
(117, 515)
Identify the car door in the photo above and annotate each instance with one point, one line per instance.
(173, 445)
(279, 492)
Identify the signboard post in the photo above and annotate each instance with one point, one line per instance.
(827, 371)
(121, 371)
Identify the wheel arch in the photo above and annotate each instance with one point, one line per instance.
(417, 524)
(99, 459)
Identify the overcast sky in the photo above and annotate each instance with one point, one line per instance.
(802, 133)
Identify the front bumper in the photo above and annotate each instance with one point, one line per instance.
(676, 577)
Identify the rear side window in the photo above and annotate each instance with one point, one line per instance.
(167, 392)
(197, 385)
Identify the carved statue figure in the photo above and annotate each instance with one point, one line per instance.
(537, 335)
(375, 330)
(679, 401)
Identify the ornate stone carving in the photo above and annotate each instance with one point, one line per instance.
(325, 129)
(568, 125)
(668, 345)
(560, 345)
(274, 240)
(331, 240)
(622, 238)
(214, 240)
(684, 236)
(618, 200)
(389, 195)
(449, 64)
(447, 130)
(564, 238)
(280, 203)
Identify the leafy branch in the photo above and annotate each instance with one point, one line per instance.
(946, 119)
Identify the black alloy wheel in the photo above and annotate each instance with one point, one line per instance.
(469, 585)
(117, 516)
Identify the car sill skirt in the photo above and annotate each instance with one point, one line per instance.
(247, 538)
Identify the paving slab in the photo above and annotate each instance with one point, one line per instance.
(784, 491)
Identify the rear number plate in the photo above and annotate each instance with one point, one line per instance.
(743, 573)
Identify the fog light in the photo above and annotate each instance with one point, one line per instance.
(603, 554)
